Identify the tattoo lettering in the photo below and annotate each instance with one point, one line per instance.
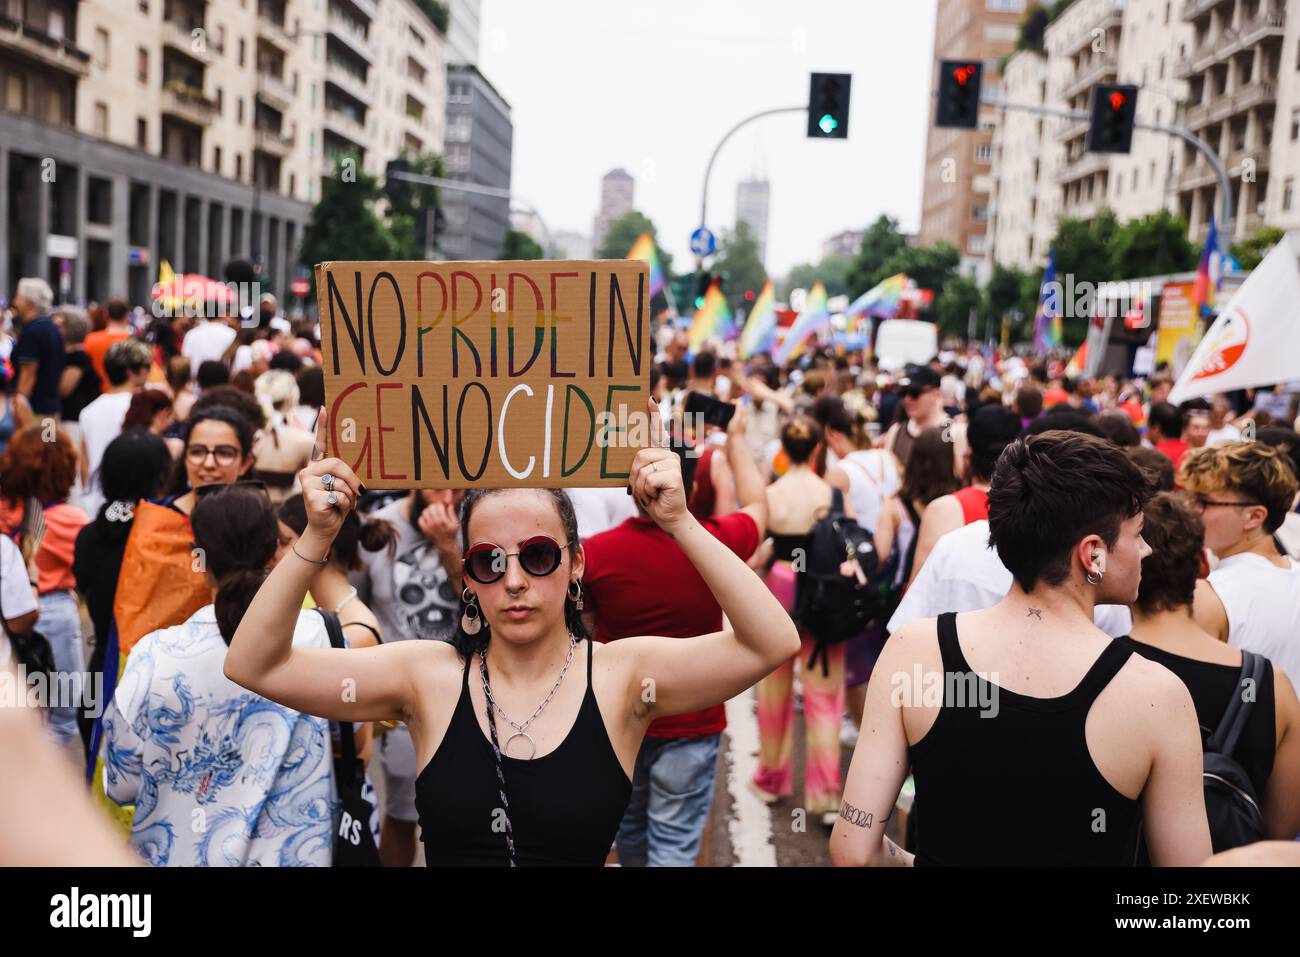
(1035, 613)
(855, 816)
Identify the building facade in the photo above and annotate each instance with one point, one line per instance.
(752, 204)
(195, 131)
(617, 196)
(846, 243)
(479, 138)
(957, 188)
(1026, 152)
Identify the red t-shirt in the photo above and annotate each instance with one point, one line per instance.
(639, 582)
(1174, 450)
(974, 504)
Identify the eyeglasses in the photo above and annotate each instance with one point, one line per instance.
(539, 556)
(216, 488)
(1201, 504)
(225, 455)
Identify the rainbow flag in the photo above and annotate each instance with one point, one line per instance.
(759, 334)
(1048, 330)
(814, 316)
(712, 320)
(1207, 272)
(880, 302)
(644, 249)
(1078, 362)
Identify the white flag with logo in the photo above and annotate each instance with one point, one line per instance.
(1256, 339)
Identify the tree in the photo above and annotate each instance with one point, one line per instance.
(1004, 290)
(953, 306)
(738, 260)
(519, 245)
(1032, 26)
(881, 241)
(930, 266)
(1082, 248)
(1155, 245)
(1249, 252)
(832, 271)
(344, 225)
(404, 216)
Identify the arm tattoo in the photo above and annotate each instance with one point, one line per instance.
(855, 816)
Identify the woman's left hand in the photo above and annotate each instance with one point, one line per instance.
(656, 479)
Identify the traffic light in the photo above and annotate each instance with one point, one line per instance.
(701, 287)
(828, 106)
(397, 190)
(1114, 108)
(959, 94)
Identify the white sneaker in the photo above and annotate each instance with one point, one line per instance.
(848, 732)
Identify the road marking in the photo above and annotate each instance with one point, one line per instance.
(751, 823)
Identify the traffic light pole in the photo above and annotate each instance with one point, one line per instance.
(1225, 181)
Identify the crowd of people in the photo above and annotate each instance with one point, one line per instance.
(1068, 613)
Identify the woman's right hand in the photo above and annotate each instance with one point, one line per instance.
(327, 507)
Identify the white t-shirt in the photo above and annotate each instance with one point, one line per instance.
(1222, 436)
(1262, 602)
(600, 509)
(101, 423)
(16, 597)
(873, 476)
(962, 573)
(208, 340)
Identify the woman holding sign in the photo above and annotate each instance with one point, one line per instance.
(527, 737)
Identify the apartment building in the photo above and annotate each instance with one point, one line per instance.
(480, 140)
(1027, 152)
(196, 131)
(958, 184)
(1242, 70)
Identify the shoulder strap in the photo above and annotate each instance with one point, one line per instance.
(875, 482)
(949, 648)
(1103, 670)
(347, 763)
(1233, 724)
(590, 643)
(837, 501)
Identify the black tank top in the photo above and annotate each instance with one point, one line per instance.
(1019, 787)
(1212, 685)
(565, 806)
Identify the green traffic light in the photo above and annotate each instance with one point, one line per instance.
(828, 124)
(699, 302)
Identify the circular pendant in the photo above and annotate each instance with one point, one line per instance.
(531, 744)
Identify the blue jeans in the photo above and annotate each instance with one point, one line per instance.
(672, 791)
(60, 623)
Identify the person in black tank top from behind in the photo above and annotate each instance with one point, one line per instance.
(1165, 631)
(524, 762)
(1033, 738)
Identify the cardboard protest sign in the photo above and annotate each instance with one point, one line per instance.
(531, 374)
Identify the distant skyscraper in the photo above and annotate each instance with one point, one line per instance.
(751, 208)
(617, 190)
(479, 141)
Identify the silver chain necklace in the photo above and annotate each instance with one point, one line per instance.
(521, 730)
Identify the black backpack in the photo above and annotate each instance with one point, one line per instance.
(830, 605)
(1231, 803)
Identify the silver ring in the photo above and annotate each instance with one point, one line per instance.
(332, 498)
(327, 481)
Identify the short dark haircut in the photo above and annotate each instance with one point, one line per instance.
(236, 399)
(992, 428)
(1176, 535)
(1029, 401)
(212, 372)
(117, 309)
(1052, 489)
(311, 386)
(1159, 468)
(284, 359)
(704, 365)
(1280, 437)
(1063, 418)
(1117, 426)
(1168, 418)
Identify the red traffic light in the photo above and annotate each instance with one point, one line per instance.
(749, 295)
(963, 73)
(1117, 100)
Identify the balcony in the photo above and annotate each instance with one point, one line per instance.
(1072, 129)
(1223, 105)
(62, 55)
(1196, 176)
(272, 143)
(367, 8)
(340, 123)
(1263, 26)
(1198, 8)
(275, 92)
(1086, 165)
(187, 103)
(1112, 18)
(275, 34)
(1238, 159)
(347, 34)
(348, 82)
(1101, 69)
(180, 37)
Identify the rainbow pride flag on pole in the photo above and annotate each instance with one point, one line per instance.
(759, 334)
(814, 316)
(713, 319)
(644, 249)
(1048, 330)
(1207, 272)
(879, 302)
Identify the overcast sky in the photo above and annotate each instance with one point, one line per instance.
(652, 87)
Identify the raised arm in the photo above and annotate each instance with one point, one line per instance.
(751, 490)
(360, 684)
(689, 674)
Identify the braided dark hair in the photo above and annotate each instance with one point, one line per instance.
(467, 644)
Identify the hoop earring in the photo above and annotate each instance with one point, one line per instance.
(576, 599)
(1094, 578)
(471, 620)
